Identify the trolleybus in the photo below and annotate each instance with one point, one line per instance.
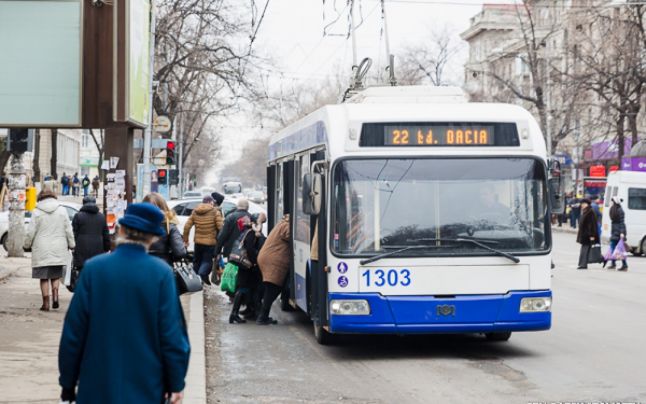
(414, 211)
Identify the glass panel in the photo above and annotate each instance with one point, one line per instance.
(637, 198)
(228, 207)
(381, 204)
(302, 231)
(179, 209)
(188, 207)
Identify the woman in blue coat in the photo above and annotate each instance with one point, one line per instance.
(124, 338)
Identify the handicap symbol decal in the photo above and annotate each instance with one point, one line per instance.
(342, 267)
(343, 281)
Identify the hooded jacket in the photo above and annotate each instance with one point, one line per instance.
(49, 235)
(208, 221)
(90, 234)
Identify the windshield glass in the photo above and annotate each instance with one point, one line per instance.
(383, 204)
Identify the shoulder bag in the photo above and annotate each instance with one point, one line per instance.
(239, 255)
(186, 279)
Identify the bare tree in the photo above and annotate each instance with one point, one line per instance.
(99, 142)
(428, 62)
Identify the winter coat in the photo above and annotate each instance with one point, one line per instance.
(230, 232)
(90, 234)
(273, 259)
(124, 338)
(618, 224)
(588, 228)
(49, 234)
(208, 222)
(170, 248)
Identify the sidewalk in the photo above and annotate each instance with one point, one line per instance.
(29, 339)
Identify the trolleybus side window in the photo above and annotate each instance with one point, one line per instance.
(279, 192)
(302, 220)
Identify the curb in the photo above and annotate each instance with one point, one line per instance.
(7, 271)
(564, 230)
(195, 391)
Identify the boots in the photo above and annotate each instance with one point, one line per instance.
(624, 266)
(45, 306)
(55, 298)
(235, 311)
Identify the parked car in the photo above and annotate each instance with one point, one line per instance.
(71, 207)
(257, 197)
(192, 194)
(184, 207)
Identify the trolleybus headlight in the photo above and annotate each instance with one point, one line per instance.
(350, 307)
(535, 304)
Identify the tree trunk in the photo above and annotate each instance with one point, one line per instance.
(621, 120)
(36, 160)
(632, 123)
(54, 160)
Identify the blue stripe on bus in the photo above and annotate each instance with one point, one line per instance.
(300, 292)
(420, 314)
(305, 138)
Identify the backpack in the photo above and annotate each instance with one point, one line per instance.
(86, 182)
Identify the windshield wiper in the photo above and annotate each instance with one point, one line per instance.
(390, 253)
(479, 243)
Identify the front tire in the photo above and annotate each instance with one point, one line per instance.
(3, 241)
(498, 336)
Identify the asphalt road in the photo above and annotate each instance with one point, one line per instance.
(595, 351)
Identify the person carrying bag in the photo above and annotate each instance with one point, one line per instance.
(588, 237)
(244, 255)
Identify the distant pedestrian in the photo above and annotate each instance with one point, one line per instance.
(245, 246)
(124, 338)
(230, 232)
(50, 236)
(273, 261)
(76, 185)
(85, 183)
(588, 234)
(91, 234)
(594, 205)
(96, 183)
(617, 230)
(65, 183)
(208, 221)
(170, 247)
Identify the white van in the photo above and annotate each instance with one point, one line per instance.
(630, 187)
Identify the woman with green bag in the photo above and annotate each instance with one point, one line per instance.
(244, 255)
(229, 278)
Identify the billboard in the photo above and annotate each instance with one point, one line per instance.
(40, 75)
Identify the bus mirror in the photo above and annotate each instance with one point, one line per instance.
(312, 184)
(557, 201)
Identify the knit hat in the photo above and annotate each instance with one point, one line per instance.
(218, 198)
(89, 200)
(144, 217)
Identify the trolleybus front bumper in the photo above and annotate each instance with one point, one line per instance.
(431, 314)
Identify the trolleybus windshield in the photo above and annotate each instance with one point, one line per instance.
(381, 204)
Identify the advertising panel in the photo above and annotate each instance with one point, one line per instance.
(138, 61)
(40, 74)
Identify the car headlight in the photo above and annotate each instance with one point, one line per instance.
(535, 304)
(350, 307)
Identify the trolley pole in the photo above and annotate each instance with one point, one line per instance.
(148, 132)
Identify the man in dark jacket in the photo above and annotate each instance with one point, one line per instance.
(588, 234)
(230, 232)
(90, 233)
(124, 339)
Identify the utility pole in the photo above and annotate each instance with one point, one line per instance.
(17, 186)
(180, 156)
(391, 58)
(148, 132)
(355, 64)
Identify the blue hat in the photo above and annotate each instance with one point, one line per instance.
(144, 217)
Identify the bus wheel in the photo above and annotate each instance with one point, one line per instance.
(498, 336)
(642, 248)
(322, 336)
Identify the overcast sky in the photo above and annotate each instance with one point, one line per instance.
(292, 34)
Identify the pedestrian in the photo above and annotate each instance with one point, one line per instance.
(91, 234)
(124, 338)
(617, 230)
(95, 186)
(253, 303)
(208, 221)
(588, 234)
(76, 185)
(49, 236)
(86, 185)
(594, 205)
(230, 232)
(65, 183)
(273, 261)
(246, 247)
(170, 247)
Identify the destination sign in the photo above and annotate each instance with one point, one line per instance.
(440, 134)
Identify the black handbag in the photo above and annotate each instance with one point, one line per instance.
(239, 255)
(186, 279)
(594, 255)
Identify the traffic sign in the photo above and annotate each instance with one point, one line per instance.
(162, 124)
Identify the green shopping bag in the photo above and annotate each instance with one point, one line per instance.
(229, 278)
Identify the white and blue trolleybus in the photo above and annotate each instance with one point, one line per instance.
(414, 211)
